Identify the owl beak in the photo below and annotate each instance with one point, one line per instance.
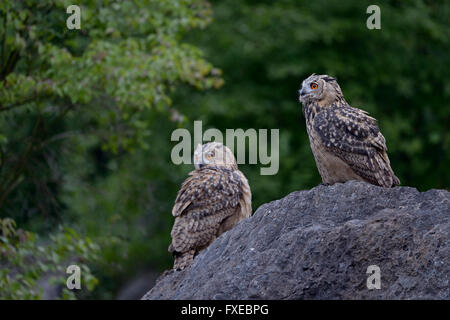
(302, 92)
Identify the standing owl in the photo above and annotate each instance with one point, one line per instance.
(211, 201)
(346, 142)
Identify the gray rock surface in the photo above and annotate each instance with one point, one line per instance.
(318, 244)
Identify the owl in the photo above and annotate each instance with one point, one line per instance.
(346, 142)
(211, 201)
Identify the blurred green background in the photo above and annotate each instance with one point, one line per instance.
(86, 117)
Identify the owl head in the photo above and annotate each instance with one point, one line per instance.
(213, 154)
(319, 88)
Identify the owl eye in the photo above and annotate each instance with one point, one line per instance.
(210, 155)
(314, 86)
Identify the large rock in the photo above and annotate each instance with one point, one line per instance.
(318, 244)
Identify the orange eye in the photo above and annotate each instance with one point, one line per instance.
(209, 155)
(314, 86)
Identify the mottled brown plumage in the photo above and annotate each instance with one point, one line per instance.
(346, 142)
(211, 201)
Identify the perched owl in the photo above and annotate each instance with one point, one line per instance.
(214, 198)
(345, 141)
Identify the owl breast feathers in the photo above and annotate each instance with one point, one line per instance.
(211, 201)
(346, 142)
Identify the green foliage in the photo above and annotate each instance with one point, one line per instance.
(25, 261)
(399, 74)
(73, 103)
(105, 80)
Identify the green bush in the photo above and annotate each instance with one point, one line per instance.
(25, 261)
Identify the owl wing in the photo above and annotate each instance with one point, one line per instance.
(205, 199)
(353, 136)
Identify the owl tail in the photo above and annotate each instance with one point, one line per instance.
(183, 259)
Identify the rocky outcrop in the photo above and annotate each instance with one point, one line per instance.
(319, 243)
